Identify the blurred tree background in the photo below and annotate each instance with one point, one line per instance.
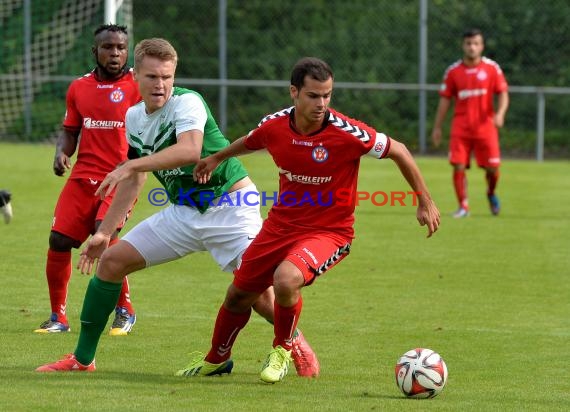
(372, 41)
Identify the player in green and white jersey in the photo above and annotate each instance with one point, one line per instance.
(149, 133)
(168, 133)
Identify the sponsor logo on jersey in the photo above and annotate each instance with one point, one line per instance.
(117, 96)
(320, 154)
(105, 86)
(465, 94)
(90, 123)
(301, 143)
(482, 75)
(308, 180)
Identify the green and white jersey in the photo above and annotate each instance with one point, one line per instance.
(150, 133)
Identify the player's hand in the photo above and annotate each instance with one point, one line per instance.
(499, 120)
(92, 252)
(436, 136)
(428, 215)
(122, 172)
(61, 163)
(204, 169)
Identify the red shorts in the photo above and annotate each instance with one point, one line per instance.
(487, 152)
(78, 209)
(312, 253)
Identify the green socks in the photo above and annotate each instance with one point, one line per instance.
(100, 299)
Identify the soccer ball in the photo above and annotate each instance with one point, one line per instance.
(421, 373)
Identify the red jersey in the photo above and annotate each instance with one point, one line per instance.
(473, 88)
(98, 108)
(318, 173)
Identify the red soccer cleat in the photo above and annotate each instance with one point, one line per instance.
(304, 357)
(67, 364)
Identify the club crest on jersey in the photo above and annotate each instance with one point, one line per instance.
(482, 75)
(117, 96)
(378, 147)
(320, 154)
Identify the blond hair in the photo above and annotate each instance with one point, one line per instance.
(155, 47)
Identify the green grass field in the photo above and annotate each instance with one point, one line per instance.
(490, 294)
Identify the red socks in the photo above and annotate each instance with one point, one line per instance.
(58, 273)
(228, 325)
(285, 323)
(460, 184)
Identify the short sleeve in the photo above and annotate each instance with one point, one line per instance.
(447, 86)
(72, 119)
(190, 114)
(501, 84)
(256, 139)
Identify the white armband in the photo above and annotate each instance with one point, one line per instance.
(380, 146)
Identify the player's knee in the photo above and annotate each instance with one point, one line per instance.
(112, 267)
(238, 300)
(61, 243)
(287, 279)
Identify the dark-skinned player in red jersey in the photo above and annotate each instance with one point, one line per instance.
(94, 125)
(317, 151)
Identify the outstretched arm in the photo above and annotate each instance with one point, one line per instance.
(427, 212)
(205, 167)
(186, 151)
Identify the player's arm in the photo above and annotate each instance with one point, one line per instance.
(502, 106)
(64, 148)
(125, 195)
(186, 151)
(205, 167)
(442, 108)
(427, 212)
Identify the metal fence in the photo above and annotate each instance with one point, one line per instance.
(388, 57)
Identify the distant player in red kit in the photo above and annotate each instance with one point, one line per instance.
(473, 82)
(317, 151)
(94, 124)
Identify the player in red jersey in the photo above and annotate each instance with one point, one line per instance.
(95, 110)
(473, 82)
(317, 151)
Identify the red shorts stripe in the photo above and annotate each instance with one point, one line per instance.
(312, 253)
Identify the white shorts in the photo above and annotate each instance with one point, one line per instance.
(225, 231)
